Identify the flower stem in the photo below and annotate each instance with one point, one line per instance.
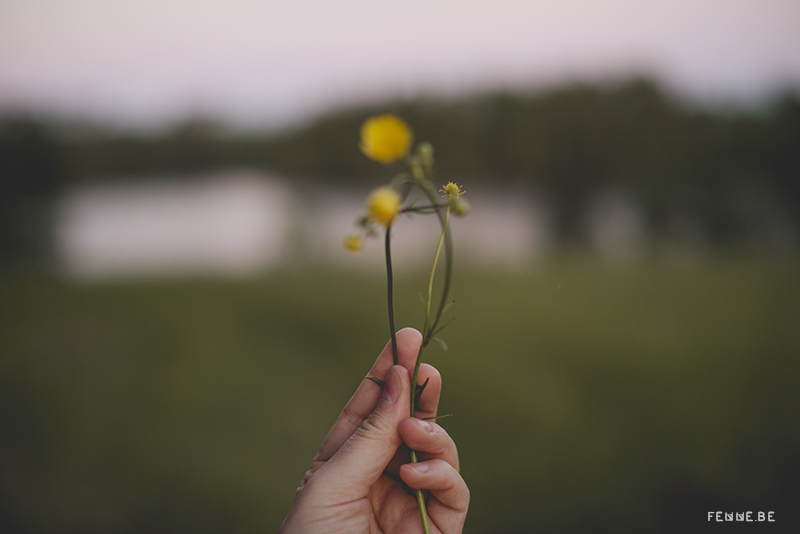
(423, 511)
(390, 298)
(428, 325)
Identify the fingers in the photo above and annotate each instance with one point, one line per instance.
(430, 440)
(364, 400)
(359, 462)
(441, 479)
(408, 342)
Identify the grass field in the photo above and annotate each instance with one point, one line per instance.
(586, 397)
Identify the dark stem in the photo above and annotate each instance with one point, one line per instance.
(422, 209)
(390, 299)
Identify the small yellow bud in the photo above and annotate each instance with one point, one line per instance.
(383, 204)
(385, 138)
(460, 207)
(354, 243)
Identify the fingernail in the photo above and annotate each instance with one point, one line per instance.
(419, 468)
(392, 388)
(426, 425)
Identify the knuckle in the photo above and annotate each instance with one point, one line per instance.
(460, 493)
(309, 475)
(351, 417)
(464, 498)
(440, 440)
(373, 423)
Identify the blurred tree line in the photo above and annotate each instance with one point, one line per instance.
(727, 169)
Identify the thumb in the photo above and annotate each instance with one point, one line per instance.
(360, 461)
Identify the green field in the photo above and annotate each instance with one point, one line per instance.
(586, 397)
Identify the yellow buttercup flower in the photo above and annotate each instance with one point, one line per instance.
(385, 138)
(452, 191)
(383, 204)
(354, 243)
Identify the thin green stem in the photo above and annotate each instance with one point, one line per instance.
(448, 267)
(428, 325)
(423, 511)
(448, 260)
(390, 296)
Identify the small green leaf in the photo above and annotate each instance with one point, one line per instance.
(437, 417)
(420, 389)
(443, 326)
(378, 381)
(447, 306)
(441, 342)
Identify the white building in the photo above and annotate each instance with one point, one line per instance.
(234, 224)
(243, 223)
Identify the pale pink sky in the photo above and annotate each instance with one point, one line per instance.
(261, 62)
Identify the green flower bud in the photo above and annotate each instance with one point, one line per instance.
(425, 153)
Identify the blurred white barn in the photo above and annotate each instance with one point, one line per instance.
(242, 223)
(235, 225)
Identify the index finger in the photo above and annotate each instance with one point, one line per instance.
(364, 400)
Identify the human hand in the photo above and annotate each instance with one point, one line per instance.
(356, 481)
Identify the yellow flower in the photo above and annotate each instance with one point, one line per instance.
(354, 243)
(383, 204)
(452, 191)
(385, 138)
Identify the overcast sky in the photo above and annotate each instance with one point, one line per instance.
(261, 62)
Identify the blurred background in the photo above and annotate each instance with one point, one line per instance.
(179, 325)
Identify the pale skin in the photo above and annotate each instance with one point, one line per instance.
(355, 484)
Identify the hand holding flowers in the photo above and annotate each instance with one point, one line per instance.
(356, 481)
(386, 139)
